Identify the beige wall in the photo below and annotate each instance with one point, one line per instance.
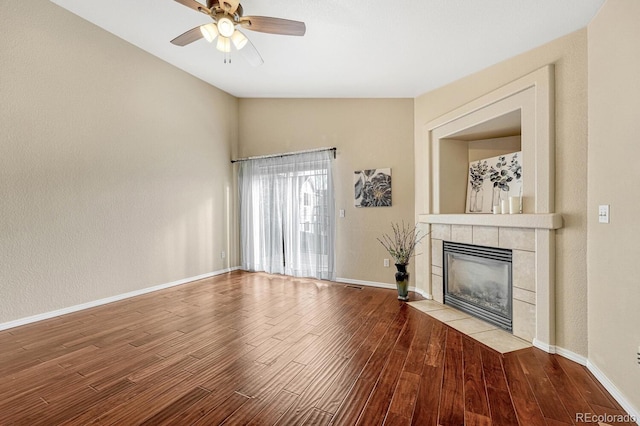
(613, 249)
(569, 54)
(114, 166)
(369, 133)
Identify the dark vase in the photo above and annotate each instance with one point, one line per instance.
(402, 281)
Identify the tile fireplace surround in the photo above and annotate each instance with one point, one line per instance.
(522, 242)
(442, 158)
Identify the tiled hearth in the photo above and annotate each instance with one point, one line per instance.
(479, 330)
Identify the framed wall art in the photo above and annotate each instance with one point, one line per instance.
(372, 188)
(492, 180)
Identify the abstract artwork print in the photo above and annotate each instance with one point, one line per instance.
(372, 188)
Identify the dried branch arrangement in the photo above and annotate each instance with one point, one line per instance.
(402, 245)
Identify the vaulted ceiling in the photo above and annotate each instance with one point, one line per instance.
(352, 48)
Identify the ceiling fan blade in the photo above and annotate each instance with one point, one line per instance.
(229, 5)
(190, 36)
(250, 53)
(265, 24)
(193, 4)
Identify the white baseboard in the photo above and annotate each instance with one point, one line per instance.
(550, 349)
(92, 304)
(366, 283)
(565, 353)
(382, 285)
(613, 390)
(609, 386)
(424, 294)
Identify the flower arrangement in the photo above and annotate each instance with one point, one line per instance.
(402, 245)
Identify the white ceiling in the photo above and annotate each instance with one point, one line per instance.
(352, 48)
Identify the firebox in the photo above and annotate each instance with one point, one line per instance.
(478, 280)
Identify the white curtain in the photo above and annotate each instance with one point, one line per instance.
(287, 221)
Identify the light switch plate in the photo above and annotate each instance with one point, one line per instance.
(603, 213)
(341, 212)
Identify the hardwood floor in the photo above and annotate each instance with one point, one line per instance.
(262, 350)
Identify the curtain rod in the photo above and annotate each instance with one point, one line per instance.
(286, 154)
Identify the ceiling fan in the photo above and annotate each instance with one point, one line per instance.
(226, 15)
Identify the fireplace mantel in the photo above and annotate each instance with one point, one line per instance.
(531, 221)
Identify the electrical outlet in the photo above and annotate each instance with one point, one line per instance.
(223, 255)
(386, 263)
(341, 212)
(603, 213)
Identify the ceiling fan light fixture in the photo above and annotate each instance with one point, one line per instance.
(226, 27)
(224, 44)
(209, 32)
(238, 39)
(226, 16)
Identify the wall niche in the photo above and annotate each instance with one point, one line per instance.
(495, 137)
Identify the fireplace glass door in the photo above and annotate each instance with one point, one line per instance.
(478, 280)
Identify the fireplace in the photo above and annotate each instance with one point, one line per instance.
(479, 280)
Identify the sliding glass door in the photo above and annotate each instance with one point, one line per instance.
(287, 215)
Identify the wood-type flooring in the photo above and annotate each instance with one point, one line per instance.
(258, 349)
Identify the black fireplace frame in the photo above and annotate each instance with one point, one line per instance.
(482, 254)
